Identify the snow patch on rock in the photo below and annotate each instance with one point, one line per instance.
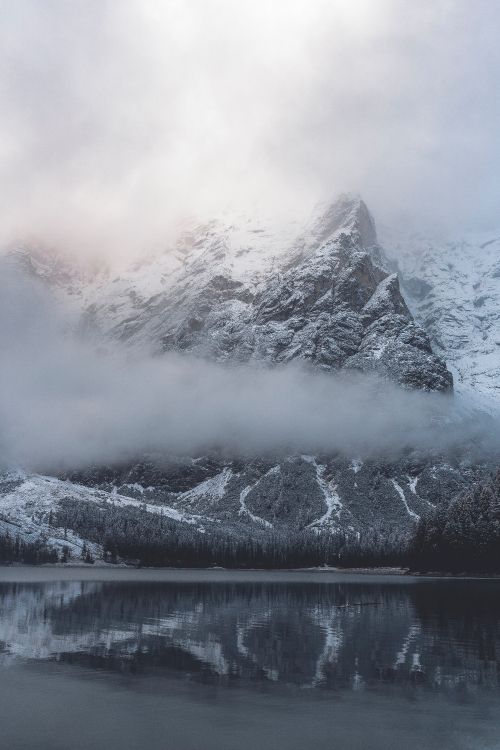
(401, 494)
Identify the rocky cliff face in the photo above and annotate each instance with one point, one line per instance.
(326, 300)
(323, 295)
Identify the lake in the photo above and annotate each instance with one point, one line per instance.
(124, 659)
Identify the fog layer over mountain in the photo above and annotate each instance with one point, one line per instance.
(65, 404)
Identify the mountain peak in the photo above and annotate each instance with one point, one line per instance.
(348, 212)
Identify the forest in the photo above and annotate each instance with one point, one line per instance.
(152, 539)
(461, 537)
(15, 550)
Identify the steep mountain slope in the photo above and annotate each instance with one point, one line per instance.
(453, 289)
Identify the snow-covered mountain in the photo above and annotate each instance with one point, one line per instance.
(453, 290)
(230, 295)
(325, 293)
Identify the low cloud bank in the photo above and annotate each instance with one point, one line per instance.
(64, 404)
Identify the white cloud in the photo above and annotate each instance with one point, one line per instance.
(117, 116)
(62, 404)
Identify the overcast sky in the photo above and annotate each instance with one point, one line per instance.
(119, 116)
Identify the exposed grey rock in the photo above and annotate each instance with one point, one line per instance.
(329, 302)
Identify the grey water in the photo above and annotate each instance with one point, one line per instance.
(218, 660)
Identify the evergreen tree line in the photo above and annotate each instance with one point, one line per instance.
(152, 539)
(14, 549)
(463, 536)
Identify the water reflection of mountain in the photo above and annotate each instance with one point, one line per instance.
(435, 635)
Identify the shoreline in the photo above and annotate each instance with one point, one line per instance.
(127, 573)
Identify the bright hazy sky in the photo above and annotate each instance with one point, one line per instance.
(119, 116)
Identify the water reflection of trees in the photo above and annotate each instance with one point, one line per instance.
(434, 635)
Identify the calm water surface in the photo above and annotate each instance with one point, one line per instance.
(178, 660)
